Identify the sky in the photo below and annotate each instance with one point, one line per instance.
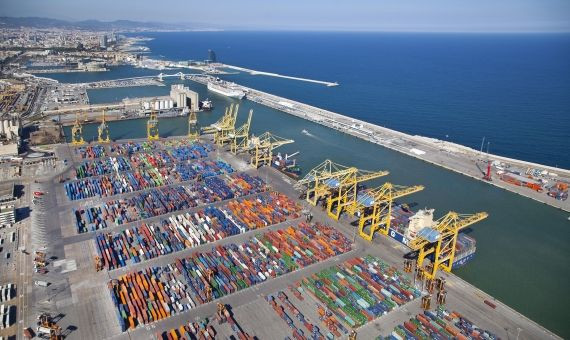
(365, 15)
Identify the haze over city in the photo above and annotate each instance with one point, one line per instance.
(366, 15)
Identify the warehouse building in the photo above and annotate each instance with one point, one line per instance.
(183, 96)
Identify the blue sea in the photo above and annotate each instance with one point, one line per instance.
(512, 89)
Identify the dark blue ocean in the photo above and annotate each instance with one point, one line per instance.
(513, 89)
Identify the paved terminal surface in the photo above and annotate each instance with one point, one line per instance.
(79, 296)
(449, 155)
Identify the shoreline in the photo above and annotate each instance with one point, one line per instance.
(455, 157)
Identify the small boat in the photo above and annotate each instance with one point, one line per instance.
(206, 105)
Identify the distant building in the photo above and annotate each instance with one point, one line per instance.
(183, 96)
(211, 56)
(103, 41)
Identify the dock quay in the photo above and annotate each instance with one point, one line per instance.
(151, 274)
(451, 156)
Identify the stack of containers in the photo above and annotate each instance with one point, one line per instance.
(128, 148)
(89, 219)
(160, 201)
(188, 230)
(192, 330)
(91, 151)
(158, 292)
(281, 304)
(400, 219)
(157, 159)
(103, 166)
(150, 177)
(361, 289)
(440, 325)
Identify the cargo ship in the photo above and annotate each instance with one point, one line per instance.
(287, 165)
(226, 89)
(405, 225)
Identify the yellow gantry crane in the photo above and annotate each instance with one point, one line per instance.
(440, 240)
(322, 178)
(103, 131)
(224, 127)
(152, 127)
(336, 182)
(193, 128)
(346, 193)
(241, 135)
(375, 207)
(77, 132)
(261, 148)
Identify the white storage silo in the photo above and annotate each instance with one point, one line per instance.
(146, 105)
(170, 103)
(156, 105)
(2, 128)
(6, 125)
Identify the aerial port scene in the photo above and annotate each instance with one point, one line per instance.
(296, 170)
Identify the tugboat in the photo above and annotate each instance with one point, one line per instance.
(287, 165)
(206, 105)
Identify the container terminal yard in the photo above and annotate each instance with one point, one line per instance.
(182, 237)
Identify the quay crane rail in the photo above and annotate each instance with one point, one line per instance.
(347, 191)
(440, 241)
(77, 132)
(193, 128)
(103, 134)
(375, 207)
(261, 148)
(241, 135)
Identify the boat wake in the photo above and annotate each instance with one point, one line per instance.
(307, 133)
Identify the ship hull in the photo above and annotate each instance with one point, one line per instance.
(228, 93)
(459, 260)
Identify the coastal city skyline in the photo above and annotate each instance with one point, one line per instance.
(367, 15)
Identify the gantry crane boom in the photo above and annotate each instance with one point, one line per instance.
(261, 148)
(224, 127)
(322, 179)
(77, 132)
(103, 134)
(222, 121)
(346, 192)
(441, 239)
(222, 135)
(241, 135)
(375, 207)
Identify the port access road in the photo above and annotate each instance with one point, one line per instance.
(445, 154)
